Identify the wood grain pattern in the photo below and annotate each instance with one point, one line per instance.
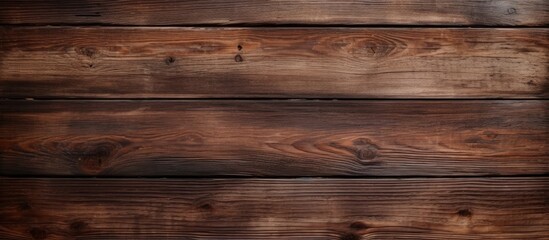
(273, 62)
(274, 138)
(393, 124)
(311, 209)
(225, 12)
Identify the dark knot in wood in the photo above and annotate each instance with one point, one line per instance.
(365, 149)
(465, 213)
(238, 58)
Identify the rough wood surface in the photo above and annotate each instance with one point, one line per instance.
(274, 138)
(223, 12)
(418, 145)
(312, 209)
(273, 62)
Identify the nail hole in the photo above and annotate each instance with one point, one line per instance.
(169, 60)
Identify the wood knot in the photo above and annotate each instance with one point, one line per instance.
(206, 207)
(485, 139)
(350, 236)
(340, 44)
(358, 226)
(239, 47)
(375, 47)
(169, 60)
(191, 139)
(88, 51)
(92, 157)
(365, 149)
(465, 213)
(238, 58)
(38, 233)
(78, 226)
(490, 135)
(511, 11)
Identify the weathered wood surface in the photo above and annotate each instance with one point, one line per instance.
(471, 166)
(274, 138)
(352, 209)
(274, 62)
(225, 12)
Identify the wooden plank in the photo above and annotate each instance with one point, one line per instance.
(351, 209)
(271, 62)
(274, 138)
(224, 12)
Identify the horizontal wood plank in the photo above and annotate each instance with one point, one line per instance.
(225, 12)
(272, 62)
(274, 138)
(352, 209)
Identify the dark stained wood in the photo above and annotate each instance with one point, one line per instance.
(272, 62)
(223, 12)
(274, 138)
(274, 119)
(323, 209)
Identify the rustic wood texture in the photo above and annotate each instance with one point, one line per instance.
(224, 12)
(274, 119)
(274, 138)
(311, 209)
(274, 62)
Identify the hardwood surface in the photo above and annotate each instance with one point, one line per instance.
(225, 12)
(92, 62)
(274, 138)
(308, 208)
(274, 119)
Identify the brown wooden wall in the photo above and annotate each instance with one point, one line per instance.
(256, 119)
